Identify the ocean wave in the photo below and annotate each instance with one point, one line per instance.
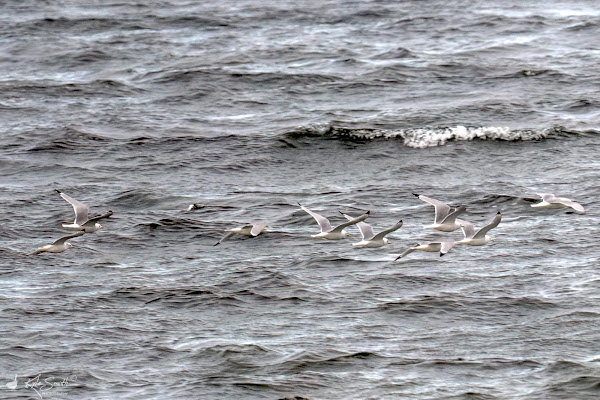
(421, 138)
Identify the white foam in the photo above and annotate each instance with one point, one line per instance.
(428, 137)
(421, 138)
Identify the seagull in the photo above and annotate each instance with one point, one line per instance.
(12, 385)
(195, 206)
(81, 216)
(445, 220)
(253, 229)
(480, 238)
(328, 231)
(370, 239)
(551, 201)
(432, 247)
(59, 245)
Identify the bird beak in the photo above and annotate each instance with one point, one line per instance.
(101, 226)
(492, 239)
(347, 234)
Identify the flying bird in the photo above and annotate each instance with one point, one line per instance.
(551, 201)
(327, 230)
(369, 238)
(59, 245)
(82, 222)
(480, 237)
(432, 247)
(445, 220)
(253, 229)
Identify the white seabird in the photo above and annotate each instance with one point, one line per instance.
(432, 247)
(82, 222)
(369, 238)
(253, 229)
(480, 237)
(59, 245)
(327, 230)
(445, 220)
(551, 201)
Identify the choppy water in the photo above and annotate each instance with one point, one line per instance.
(247, 109)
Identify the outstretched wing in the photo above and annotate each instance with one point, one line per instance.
(382, 234)
(467, 228)
(257, 228)
(81, 210)
(323, 222)
(339, 228)
(62, 240)
(224, 238)
(92, 221)
(446, 246)
(405, 253)
(366, 230)
(441, 209)
(451, 218)
(493, 223)
(569, 203)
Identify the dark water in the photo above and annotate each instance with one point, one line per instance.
(246, 109)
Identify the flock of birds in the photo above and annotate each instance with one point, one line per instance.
(445, 220)
(82, 224)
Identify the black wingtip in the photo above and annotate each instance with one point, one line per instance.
(414, 194)
(441, 254)
(498, 213)
(216, 244)
(58, 191)
(397, 258)
(368, 212)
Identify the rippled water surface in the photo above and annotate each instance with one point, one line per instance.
(247, 109)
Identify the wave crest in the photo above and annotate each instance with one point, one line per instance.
(421, 138)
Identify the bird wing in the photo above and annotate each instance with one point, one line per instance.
(408, 251)
(257, 228)
(467, 228)
(81, 210)
(493, 223)
(340, 227)
(323, 222)
(450, 218)
(382, 234)
(366, 230)
(229, 234)
(569, 203)
(446, 246)
(441, 209)
(92, 221)
(62, 240)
